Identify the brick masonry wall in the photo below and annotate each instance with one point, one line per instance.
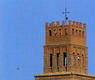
(69, 42)
(65, 77)
(69, 39)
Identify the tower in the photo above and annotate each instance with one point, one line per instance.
(65, 49)
(65, 52)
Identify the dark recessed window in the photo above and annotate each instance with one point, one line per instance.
(57, 59)
(65, 59)
(51, 56)
(50, 33)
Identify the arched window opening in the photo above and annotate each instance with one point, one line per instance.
(50, 33)
(72, 31)
(82, 59)
(57, 59)
(78, 56)
(65, 59)
(58, 62)
(51, 56)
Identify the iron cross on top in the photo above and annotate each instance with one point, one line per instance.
(65, 13)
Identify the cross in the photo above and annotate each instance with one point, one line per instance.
(65, 13)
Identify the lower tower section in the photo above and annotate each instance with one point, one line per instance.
(64, 76)
(65, 58)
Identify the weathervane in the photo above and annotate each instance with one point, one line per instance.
(66, 12)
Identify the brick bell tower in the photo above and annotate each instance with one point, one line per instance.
(65, 52)
(65, 49)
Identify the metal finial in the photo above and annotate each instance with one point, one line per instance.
(66, 12)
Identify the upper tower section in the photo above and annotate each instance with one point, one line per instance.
(71, 33)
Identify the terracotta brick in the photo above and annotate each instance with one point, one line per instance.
(70, 40)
